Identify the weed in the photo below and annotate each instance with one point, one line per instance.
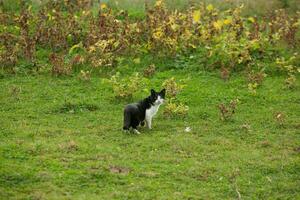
(225, 73)
(174, 108)
(227, 111)
(118, 170)
(172, 87)
(69, 146)
(69, 107)
(150, 70)
(59, 67)
(125, 88)
(15, 92)
(256, 77)
(84, 75)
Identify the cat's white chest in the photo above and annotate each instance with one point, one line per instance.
(151, 111)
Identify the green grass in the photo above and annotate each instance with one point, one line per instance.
(61, 139)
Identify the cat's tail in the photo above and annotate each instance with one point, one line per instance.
(127, 120)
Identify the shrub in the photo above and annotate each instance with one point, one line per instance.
(9, 51)
(175, 109)
(124, 88)
(172, 88)
(84, 75)
(59, 67)
(227, 111)
(255, 79)
(227, 40)
(101, 54)
(288, 66)
(149, 71)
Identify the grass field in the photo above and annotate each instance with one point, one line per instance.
(62, 139)
(68, 68)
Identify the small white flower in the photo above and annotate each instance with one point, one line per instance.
(187, 129)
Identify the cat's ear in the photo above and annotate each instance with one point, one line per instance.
(163, 92)
(152, 92)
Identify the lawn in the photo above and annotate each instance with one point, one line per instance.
(61, 138)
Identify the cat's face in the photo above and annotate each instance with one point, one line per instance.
(158, 98)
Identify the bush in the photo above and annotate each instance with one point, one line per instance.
(175, 109)
(227, 111)
(172, 88)
(59, 67)
(125, 88)
(288, 67)
(227, 40)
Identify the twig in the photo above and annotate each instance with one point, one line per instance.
(237, 191)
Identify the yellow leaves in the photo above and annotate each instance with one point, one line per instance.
(103, 6)
(86, 13)
(288, 65)
(91, 49)
(171, 43)
(187, 34)
(251, 19)
(101, 53)
(137, 61)
(134, 28)
(174, 27)
(149, 45)
(252, 88)
(158, 3)
(172, 22)
(192, 45)
(158, 33)
(172, 87)
(116, 44)
(210, 7)
(296, 24)
(196, 16)
(174, 109)
(254, 44)
(84, 75)
(76, 46)
(50, 17)
(125, 87)
(227, 21)
(218, 25)
(102, 44)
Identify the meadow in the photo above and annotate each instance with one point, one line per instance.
(228, 130)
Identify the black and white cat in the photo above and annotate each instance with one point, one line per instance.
(136, 113)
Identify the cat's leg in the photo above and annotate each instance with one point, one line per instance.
(136, 131)
(127, 121)
(126, 129)
(134, 124)
(149, 122)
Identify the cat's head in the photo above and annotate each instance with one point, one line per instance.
(157, 98)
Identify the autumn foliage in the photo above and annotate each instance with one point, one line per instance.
(225, 40)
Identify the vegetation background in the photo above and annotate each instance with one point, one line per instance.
(230, 126)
